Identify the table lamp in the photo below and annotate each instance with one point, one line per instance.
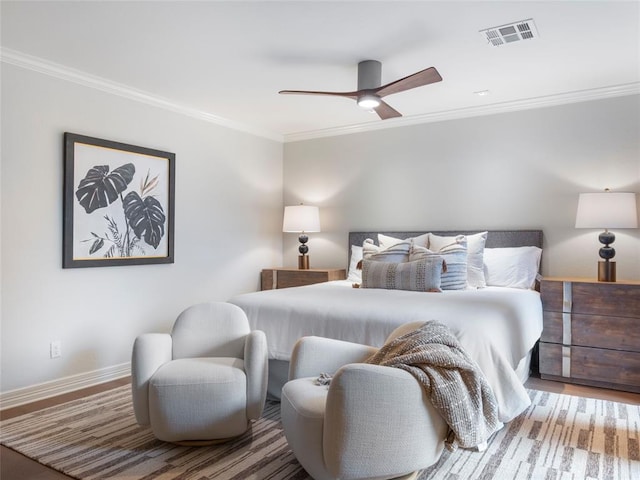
(607, 210)
(302, 219)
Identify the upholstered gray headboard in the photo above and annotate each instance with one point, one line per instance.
(495, 238)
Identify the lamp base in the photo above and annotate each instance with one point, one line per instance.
(303, 262)
(606, 271)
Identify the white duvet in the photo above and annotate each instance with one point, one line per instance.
(496, 326)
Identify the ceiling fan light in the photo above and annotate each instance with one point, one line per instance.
(368, 101)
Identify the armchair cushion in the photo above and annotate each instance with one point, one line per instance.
(182, 392)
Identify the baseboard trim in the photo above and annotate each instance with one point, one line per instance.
(41, 391)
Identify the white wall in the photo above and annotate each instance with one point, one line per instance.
(512, 170)
(227, 227)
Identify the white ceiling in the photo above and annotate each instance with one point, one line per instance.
(229, 59)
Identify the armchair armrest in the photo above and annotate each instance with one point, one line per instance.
(150, 351)
(256, 367)
(312, 356)
(366, 403)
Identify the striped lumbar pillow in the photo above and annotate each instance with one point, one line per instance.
(422, 275)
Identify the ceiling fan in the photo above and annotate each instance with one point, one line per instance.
(370, 93)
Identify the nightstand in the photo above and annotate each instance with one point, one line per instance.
(591, 332)
(292, 277)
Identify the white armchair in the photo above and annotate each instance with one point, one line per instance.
(205, 381)
(371, 422)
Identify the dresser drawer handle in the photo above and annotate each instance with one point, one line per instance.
(566, 329)
(567, 301)
(566, 361)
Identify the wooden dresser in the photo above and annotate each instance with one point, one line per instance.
(271, 278)
(591, 333)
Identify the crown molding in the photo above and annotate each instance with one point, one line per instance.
(505, 107)
(29, 62)
(46, 67)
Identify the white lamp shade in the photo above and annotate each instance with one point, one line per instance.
(301, 218)
(607, 210)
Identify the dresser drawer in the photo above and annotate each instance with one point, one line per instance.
(592, 366)
(614, 333)
(593, 298)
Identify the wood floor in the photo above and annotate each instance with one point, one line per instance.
(14, 466)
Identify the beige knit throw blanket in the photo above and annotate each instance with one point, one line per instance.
(451, 379)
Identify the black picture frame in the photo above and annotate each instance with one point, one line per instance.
(119, 204)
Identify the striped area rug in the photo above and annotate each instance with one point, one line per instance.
(559, 437)
(97, 437)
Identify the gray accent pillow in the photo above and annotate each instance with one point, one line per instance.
(422, 275)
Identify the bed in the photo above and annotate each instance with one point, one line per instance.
(497, 325)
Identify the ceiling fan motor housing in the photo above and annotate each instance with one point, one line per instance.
(369, 75)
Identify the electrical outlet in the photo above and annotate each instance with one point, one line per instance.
(55, 349)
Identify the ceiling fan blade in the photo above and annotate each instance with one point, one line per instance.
(418, 79)
(353, 95)
(384, 111)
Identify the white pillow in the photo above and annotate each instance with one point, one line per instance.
(386, 241)
(515, 267)
(355, 275)
(475, 252)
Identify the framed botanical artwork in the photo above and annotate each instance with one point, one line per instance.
(118, 203)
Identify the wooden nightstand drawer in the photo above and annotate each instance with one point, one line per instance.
(592, 366)
(614, 333)
(292, 277)
(591, 333)
(593, 298)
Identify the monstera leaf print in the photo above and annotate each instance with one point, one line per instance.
(145, 217)
(99, 188)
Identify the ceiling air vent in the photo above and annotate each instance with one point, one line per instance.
(510, 33)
